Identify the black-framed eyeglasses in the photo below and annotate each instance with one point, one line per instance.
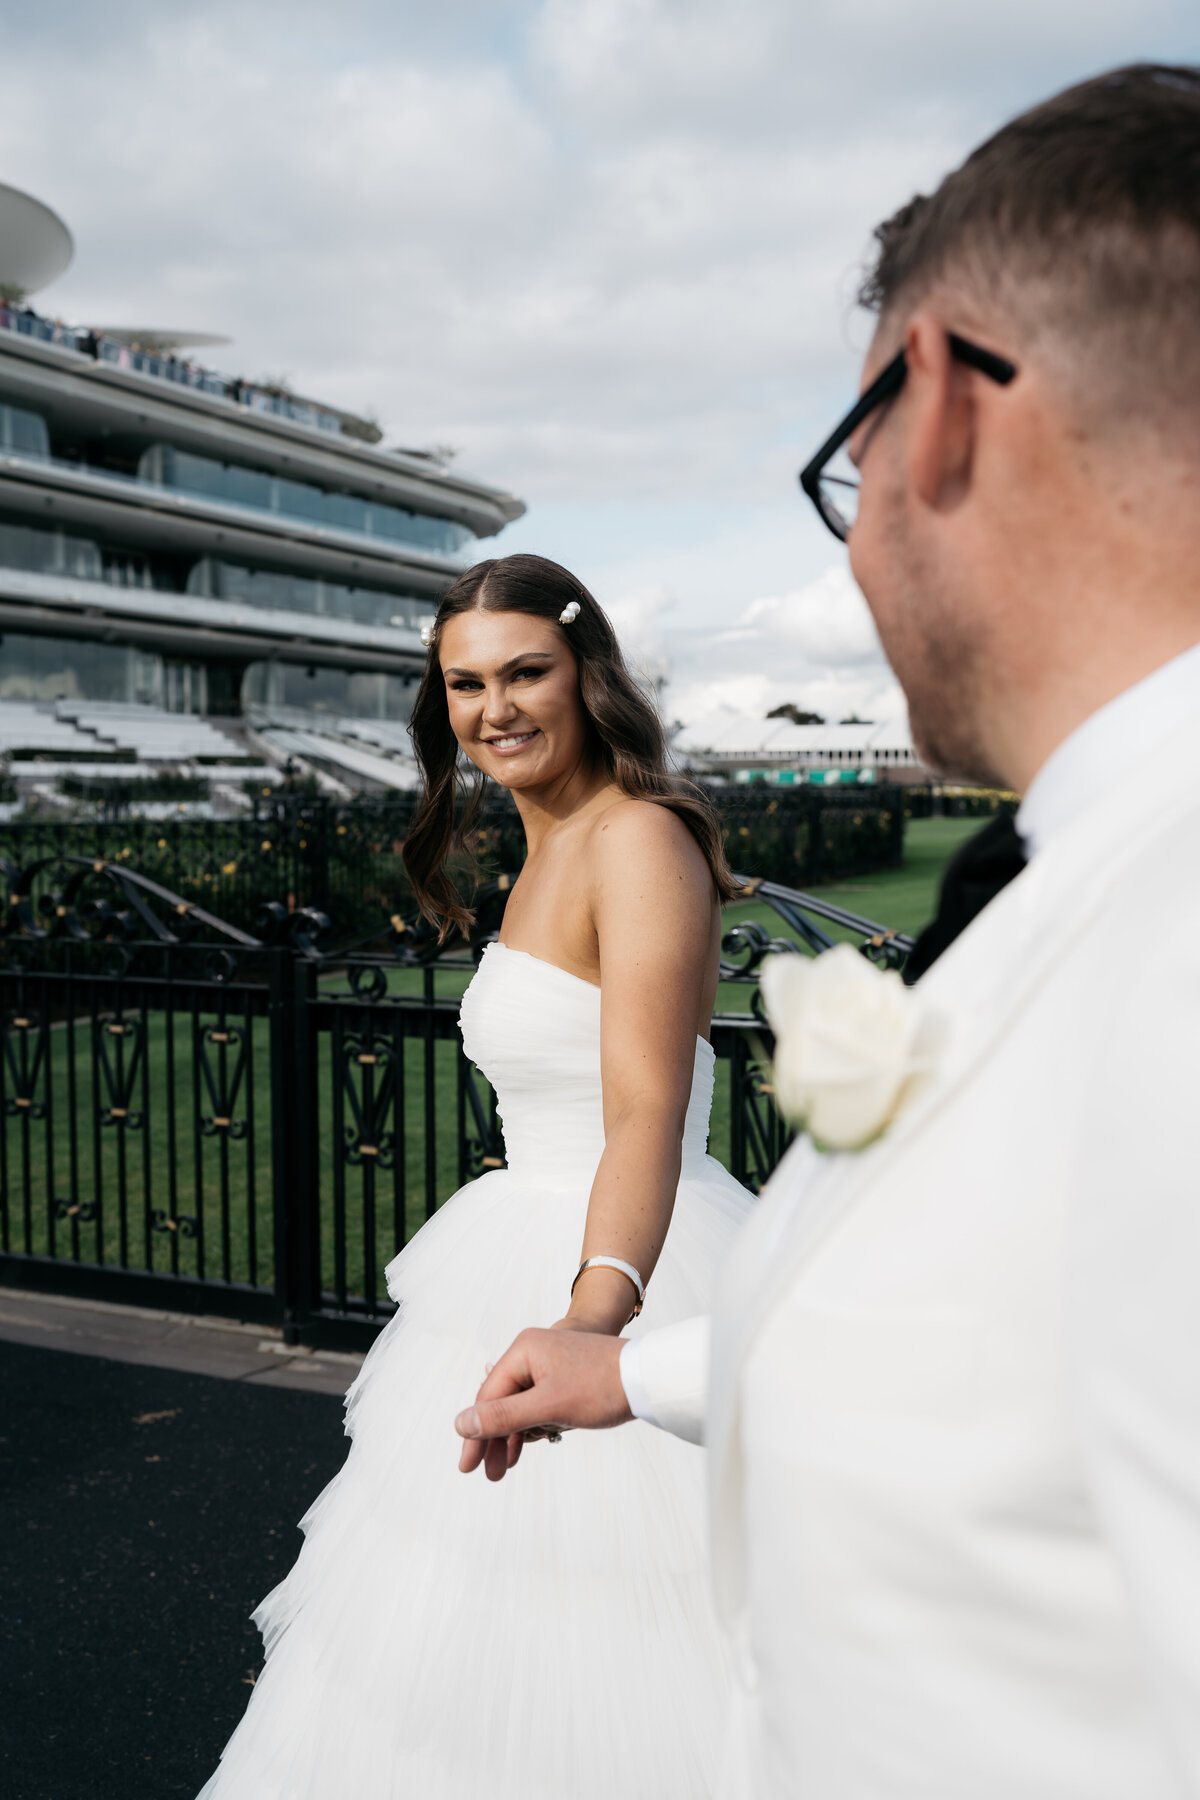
(831, 480)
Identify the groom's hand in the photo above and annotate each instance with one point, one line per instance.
(556, 1380)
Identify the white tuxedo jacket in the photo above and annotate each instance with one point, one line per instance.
(953, 1415)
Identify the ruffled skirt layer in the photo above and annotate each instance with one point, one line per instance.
(549, 1637)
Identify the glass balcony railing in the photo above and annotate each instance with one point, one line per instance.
(162, 469)
(211, 579)
(57, 552)
(23, 319)
(51, 552)
(168, 367)
(233, 484)
(165, 366)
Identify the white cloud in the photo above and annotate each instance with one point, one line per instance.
(638, 618)
(608, 257)
(606, 247)
(816, 647)
(828, 622)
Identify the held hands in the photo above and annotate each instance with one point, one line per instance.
(567, 1378)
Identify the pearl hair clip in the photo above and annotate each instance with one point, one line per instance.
(569, 613)
(427, 635)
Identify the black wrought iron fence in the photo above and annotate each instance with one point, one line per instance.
(207, 1119)
(344, 859)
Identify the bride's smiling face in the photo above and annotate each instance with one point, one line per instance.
(512, 691)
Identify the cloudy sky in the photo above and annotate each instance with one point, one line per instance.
(604, 248)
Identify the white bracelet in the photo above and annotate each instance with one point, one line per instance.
(622, 1268)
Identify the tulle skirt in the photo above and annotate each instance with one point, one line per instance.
(548, 1637)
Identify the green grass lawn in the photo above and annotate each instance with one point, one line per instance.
(902, 899)
(111, 1189)
(906, 899)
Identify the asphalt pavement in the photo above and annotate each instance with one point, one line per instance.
(144, 1512)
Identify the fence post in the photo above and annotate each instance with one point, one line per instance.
(294, 1167)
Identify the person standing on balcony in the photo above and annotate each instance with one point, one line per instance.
(953, 1400)
(556, 1641)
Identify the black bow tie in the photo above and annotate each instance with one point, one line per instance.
(973, 877)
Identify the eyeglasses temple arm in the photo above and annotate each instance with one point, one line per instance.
(888, 382)
(997, 368)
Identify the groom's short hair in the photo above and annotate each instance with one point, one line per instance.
(1080, 222)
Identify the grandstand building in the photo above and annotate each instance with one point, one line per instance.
(191, 560)
(775, 749)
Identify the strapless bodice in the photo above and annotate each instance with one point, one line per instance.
(534, 1031)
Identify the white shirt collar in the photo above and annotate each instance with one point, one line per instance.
(1128, 728)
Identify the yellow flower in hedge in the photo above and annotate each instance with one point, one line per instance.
(229, 868)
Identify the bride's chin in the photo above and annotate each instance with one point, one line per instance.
(517, 778)
(514, 778)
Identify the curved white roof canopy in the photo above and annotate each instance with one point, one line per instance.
(35, 245)
(159, 342)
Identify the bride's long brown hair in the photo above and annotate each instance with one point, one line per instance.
(624, 732)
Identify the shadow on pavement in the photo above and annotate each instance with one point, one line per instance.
(143, 1513)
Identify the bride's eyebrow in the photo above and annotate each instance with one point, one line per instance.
(514, 662)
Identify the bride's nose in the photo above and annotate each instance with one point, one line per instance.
(498, 706)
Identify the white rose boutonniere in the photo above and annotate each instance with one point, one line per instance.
(852, 1044)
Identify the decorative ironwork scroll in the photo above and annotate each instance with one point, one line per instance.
(24, 1057)
(369, 1087)
(221, 1054)
(119, 1048)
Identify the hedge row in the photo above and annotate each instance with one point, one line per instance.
(958, 802)
(345, 859)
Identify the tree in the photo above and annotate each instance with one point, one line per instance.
(790, 711)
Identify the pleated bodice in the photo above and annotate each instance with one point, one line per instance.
(534, 1031)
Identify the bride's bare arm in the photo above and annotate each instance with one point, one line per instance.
(656, 919)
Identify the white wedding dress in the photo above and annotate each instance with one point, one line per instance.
(551, 1636)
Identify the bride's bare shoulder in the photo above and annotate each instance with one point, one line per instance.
(641, 837)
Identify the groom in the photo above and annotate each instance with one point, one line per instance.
(952, 1407)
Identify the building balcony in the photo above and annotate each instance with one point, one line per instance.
(91, 386)
(146, 514)
(194, 628)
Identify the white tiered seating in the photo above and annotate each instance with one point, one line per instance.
(389, 734)
(346, 758)
(24, 725)
(84, 734)
(153, 736)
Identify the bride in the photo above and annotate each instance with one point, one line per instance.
(552, 1640)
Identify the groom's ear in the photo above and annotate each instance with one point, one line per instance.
(941, 403)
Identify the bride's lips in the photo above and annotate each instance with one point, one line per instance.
(512, 743)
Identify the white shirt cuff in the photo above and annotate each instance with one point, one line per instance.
(630, 1367)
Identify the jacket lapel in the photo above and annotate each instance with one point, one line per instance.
(981, 984)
